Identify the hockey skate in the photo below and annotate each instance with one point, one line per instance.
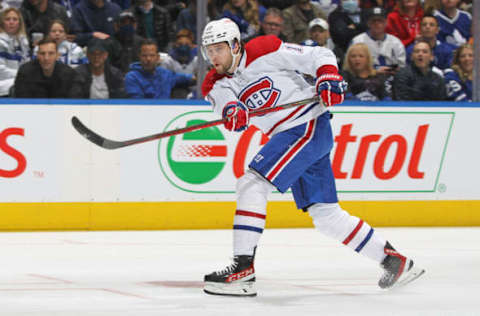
(399, 270)
(237, 279)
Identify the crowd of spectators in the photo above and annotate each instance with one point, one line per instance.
(100, 49)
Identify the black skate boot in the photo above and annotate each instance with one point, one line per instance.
(237, 279)
(399, 270)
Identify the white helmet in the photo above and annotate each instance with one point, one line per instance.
(223, 30)
(218, 31)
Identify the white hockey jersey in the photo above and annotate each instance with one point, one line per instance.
(270, 74)
(389, 51)
(14, 52)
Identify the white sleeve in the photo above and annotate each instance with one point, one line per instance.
(304, 59)
(219, 96)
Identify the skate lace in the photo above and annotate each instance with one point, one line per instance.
(229, 269)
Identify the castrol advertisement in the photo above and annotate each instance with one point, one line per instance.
(380, 153)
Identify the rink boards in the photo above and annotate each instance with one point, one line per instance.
(395, 164)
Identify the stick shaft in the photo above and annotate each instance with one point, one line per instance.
(111, 144)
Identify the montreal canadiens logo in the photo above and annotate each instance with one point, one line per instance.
(260, 94)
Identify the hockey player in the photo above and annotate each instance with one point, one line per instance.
(264, 73)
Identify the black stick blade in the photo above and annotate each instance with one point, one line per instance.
(92, 136)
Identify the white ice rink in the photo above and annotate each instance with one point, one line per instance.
(299, 272)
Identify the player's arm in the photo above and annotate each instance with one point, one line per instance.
(318, 62)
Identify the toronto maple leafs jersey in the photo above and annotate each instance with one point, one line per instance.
(387, 52)
(270, 73)
(456, 30)
(457, 90)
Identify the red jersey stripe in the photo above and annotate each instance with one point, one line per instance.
(289, 154)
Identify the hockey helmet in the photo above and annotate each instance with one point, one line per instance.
(218, 31)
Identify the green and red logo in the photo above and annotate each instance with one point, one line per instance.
(192, 159)
(208, 160)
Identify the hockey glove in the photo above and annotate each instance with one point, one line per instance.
(332, 88)
(236, 114)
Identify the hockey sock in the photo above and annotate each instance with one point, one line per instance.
(249, 222)
(352, 231)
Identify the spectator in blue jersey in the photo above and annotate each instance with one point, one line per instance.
(364, 82)
(247, 14)
(455, 24)
(154, 22)
(70, 53)
(417, 81)
(38, 14)
(14, 47)
(442, 52)
(459, 78)
(146, 80)
(94, 18)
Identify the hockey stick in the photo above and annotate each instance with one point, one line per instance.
(112, 144)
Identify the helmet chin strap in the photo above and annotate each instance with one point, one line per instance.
(234, 59)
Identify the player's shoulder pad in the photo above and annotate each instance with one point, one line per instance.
(209, 81)
(260, 46)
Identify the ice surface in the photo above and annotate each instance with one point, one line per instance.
(299, 272)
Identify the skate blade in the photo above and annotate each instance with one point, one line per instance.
(413, 274)
(230, 289)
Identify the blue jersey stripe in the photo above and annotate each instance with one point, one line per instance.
(9, 56)
(364, 242)
(251, 228)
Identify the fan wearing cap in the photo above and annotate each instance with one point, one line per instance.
(46, 77)
(100, 80)
(128, 39)
(319, 34)
(387, 50)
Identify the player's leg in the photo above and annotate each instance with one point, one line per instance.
(252, 192)
(238, 279)
(315, 191)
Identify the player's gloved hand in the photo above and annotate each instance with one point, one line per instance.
(236, 114)
(332, 88)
